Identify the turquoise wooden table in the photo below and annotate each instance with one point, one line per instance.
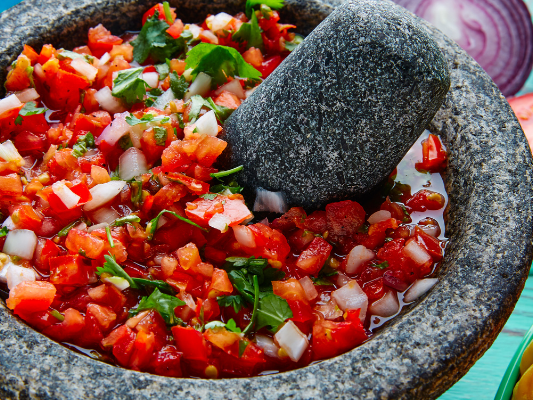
(482, 381)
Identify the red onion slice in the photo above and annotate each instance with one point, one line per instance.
(498, 34)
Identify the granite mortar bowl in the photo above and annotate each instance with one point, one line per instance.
(418, 355)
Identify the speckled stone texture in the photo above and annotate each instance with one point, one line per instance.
(417, 356)
(341, 111)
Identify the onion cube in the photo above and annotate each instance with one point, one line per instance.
(17, 274)
(21, 243)
(351, 297)
(357, 257)
(292, 340)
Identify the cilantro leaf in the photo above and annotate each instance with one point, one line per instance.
(111, 267)
(136, 192)
(242, 282)
(153, 222)
(250, 4)
(160, 135)
(232, 187)
(129, 86)
(209, 196)
(256, 304)
(18, 120)
(164, 304)
(62, 54)
(4, 231)
(154, 41)
(215, 324)
(83, 142)
(220, 174)
(231, 325)
(243, 344)
(129, 219)
(222, 113)
(321, 281)
(272, 312)
(146, 118)
(236, 301)
(197, 102)
(219, 62)
(250, 33)
(161, 285)
(30, 108)
(163, 70)
(178, 84)
(294, 42)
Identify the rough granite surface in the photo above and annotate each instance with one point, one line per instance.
(337, 116)
(417, 356)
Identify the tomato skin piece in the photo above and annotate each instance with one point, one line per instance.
(101, 40)
(31, 296)
(425, 200)
(167, 362)
(293, 218)
(314, 256)
(433, 155)
(69, 328)
(191, 343)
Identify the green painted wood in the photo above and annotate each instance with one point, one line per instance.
(483, 379)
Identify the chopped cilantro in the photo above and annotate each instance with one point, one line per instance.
(197, 102)
(83, 142)
(250, 4)
(209, 196)
(62, 54)
(180, 121)
(256, 304)
(154, 41)
(235, 301)
(18, 120)
(146, 118)
(129, 219)
(153, 222)
(220, 174)
(156, 92)
(4, 231)
(294, 42)
(161, 285)
(111, 267)
(129, 86)
(168, 15)
(232, 187)
(178, 84)
(219, 62)
(215, 324)
(381, 265)
(321, 281)
(30, 108)
(243, 344)
(136, 193)
(109, 237)
(160, 135)
(56, 314)
(64, 232)
(272, 312)
(231, 325)
(250, 33)
(164, 304)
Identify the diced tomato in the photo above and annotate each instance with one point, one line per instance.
(123, 346)
(374, 289)
(202, 210)
(167, 362)
(31, 54)
(523, 108)
(68, 329)
(250, 363)
(31, 296)
(91, 246)
(293, 218)
(291, 289)
(209, 149)
(175, 29)
(313, 258)
(433, 155)
(301, 311)
(10, 185)
(101, 40)
(426, 200)
(220, 284)
(42, 257)
(71, 270)
(431, 244)
(227, 99)
(28, 143)
(253, 57)
(344, 217)
(25, 217)
(334, 338)
(174, 157)
(316, 222)
(19, 78)
(161, 11)
(191, 343)
(62, 163)
(269, 65)
(194, 185)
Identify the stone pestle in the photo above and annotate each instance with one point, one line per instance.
(337, 116)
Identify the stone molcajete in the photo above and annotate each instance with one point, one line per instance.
(416, 356)
(342, 110)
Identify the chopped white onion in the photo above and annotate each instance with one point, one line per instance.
(84, 68)
(17, 274)
(379, 216)
(67, 196)
(103, 193)
(104, 59)
(267, 344)
(416, 252)
(292, 340)
(220, 222)
(162, 101)
(26, 95)
(105, 215)
(4, 269)
(219, 21)
(117, 281)
(431, 230)
(357, 257)
(39, 72)
(207, 124)
(342, 279)
(132, 163)
(330, 310)
(201, 86)
(194, 29)
(9, 152)
(97, 226)
(351, 297)
(136, 133)
(385, 307)
(234, 87)
(9, 103)
(244, 236)
(309, 288)
(108, 102)
(114, 131)
(9, 224)
(21, 243)
(418, 288)
(266, 200)
(151, 78)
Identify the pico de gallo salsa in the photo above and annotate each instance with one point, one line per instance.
(121, 238)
